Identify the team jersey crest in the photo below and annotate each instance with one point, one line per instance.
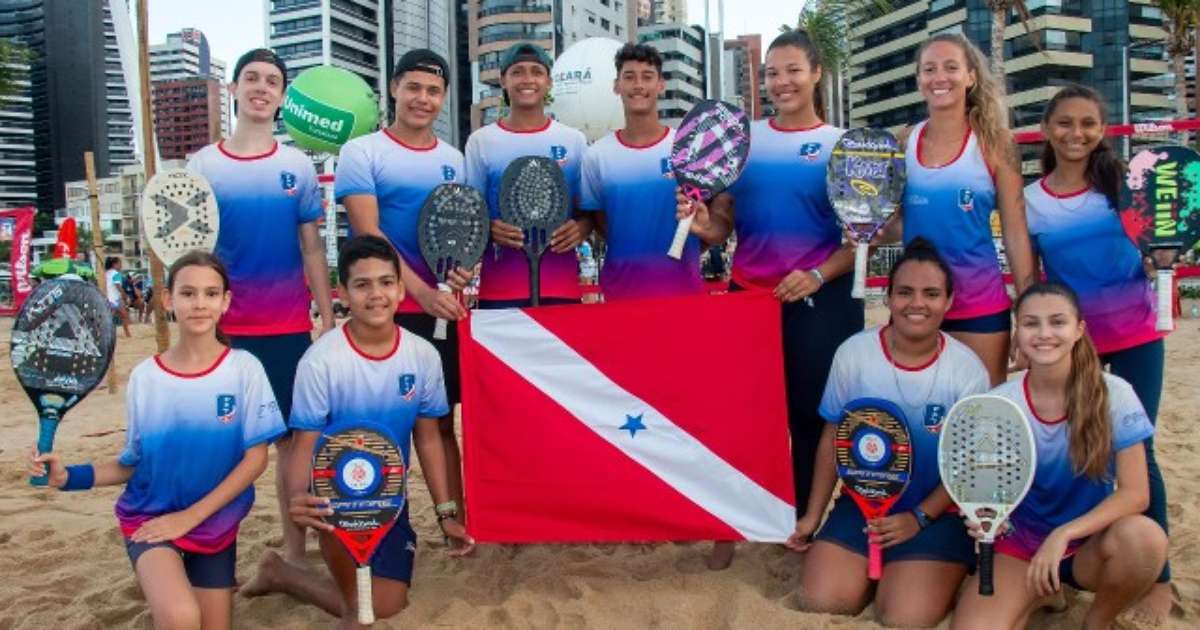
(226, 408)
(287, 181)
(408, 386)
(664, 167)
(448, 173)
(559, 153)
(966, 199)
(934, 414)
(810, 151)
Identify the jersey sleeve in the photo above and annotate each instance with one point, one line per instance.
(591, 191)
(1130, 424)
(309, 208)
(354, 176)
(310, 397)
(433, 394)
(837, 387)
(131, 455)
(475, 165)
(261, 418)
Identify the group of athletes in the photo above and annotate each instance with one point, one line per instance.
(1095, 518)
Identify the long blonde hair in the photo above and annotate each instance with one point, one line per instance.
(986, 112)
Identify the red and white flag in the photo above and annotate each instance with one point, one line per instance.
(647, 420)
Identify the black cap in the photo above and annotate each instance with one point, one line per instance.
(264, 55)
(524, 51)
(422, 60)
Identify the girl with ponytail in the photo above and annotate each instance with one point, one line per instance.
(1079, 239)
(1081, 523)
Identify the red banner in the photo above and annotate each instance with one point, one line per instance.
(16, 226)
(1165, 126)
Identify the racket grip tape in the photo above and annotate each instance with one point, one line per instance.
(986, 556)
(439, 327)
(860, 271)
(874, 560)
(1165, 282)
(366, 605)
(46, 429)
(681, 233)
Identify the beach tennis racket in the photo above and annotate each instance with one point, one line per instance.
(1160, 211)
(361, 471)
(62, 344)
(865, 182)
(987, 459)
(873, 453)
(452, 231)
(710, 150)
(179, 214)
(535, 198)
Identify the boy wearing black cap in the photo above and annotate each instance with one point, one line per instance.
(269, 202)
(526, 130)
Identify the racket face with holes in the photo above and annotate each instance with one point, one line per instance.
(179, 214)
(452, 229)
(710, 149)
(534, 197)
(865, 179)
(873, 453)
(361, 471)
(987, 459)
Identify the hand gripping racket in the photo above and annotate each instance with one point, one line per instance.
(873, 454)
(865, 182)
(62, 344)
(710, 150)
(452, 231)
(534, 197)
(361, 471)
(179, 214)
(987, 459)
(1160, 211)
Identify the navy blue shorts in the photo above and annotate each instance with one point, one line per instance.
(994, 323)
(422, 324)
(394, 556)
(546, 301)
(944, 540)
(279, 355)
(204, 570)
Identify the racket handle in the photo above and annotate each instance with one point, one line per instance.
(439, 328)
(874, 559)
(366, 607)
(986, 554)
(860, 271)
(1166, 306)
(681, 233)
(46, 429)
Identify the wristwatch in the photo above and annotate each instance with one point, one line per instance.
(921, 516)
(446, 510)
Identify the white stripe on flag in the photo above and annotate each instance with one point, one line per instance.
(665, 450)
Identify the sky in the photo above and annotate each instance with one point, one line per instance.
(235, 26)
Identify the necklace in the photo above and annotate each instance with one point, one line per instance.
(937, 366)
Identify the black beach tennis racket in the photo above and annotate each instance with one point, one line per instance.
(62, 343)
(873, 453)
(710, 150)
(535, 198)
(179, 214)
(362, 473)
(987, 459)
(1160, 211)
(452, 231)
(865, 182)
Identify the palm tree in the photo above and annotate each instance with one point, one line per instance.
(1180, 18)
(1000, 10)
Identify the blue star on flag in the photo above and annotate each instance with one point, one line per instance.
(633, 424)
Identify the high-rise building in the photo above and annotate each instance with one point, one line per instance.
(682, 48)
(20, 22)
(118, 86)
(119, 198)
(186, 56)
(187, 115)
(668, 12)
(743, 67)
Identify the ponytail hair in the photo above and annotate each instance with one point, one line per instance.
(1088, 413)
(1104, 168)
(799, 38)
(987, 113)
(200, 258)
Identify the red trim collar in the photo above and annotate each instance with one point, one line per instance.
(246, 158)
(961, 149)
(388, 132)
(1029, 403)
(776, 127)
(1076, 193)
(910, 368)
(371, 357)
(666, 131)
(205, 372)
(500, 124)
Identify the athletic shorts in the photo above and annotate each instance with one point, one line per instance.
(546, 301)
(996, 322)
(422, 324)
(279, 355)
(394, 556)
(204, 570)
(944, 540)
(1005, 546)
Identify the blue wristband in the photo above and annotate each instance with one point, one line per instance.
(80, 477)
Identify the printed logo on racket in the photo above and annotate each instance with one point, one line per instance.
(226, 408)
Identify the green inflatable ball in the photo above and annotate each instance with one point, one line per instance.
(325, 107)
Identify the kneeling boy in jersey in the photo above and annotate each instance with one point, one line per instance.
(375, 370)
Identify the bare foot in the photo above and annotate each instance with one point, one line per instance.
(721, 556)
(265, 580)
(1155, 605)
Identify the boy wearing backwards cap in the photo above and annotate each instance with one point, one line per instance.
(269, 203)
(526, 130)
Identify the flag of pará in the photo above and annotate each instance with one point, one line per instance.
(646, 420)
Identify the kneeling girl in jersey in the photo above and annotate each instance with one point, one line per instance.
(926, 549)
(180, 512)
(1081, 523)
(350, 375)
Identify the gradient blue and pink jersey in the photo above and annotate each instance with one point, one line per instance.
(783, 218)
(263, 200)
(1082, 245)
(635, 188)
(951, 206)
(186, 433)
(505, 272)
(400, 177)
(864, 368)
(1059, 495)
(339, 384)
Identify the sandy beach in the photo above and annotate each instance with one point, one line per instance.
(66, 567)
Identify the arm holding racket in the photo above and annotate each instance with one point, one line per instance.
(899, 528)
(802, 283)
(711, 222)
(305, 508)
(316, 271)
(106, 473)
(507, 234)
(569, 235)
(823, 481)
(427, 441)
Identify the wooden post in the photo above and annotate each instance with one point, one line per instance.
(161, 334)
(89, 168)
